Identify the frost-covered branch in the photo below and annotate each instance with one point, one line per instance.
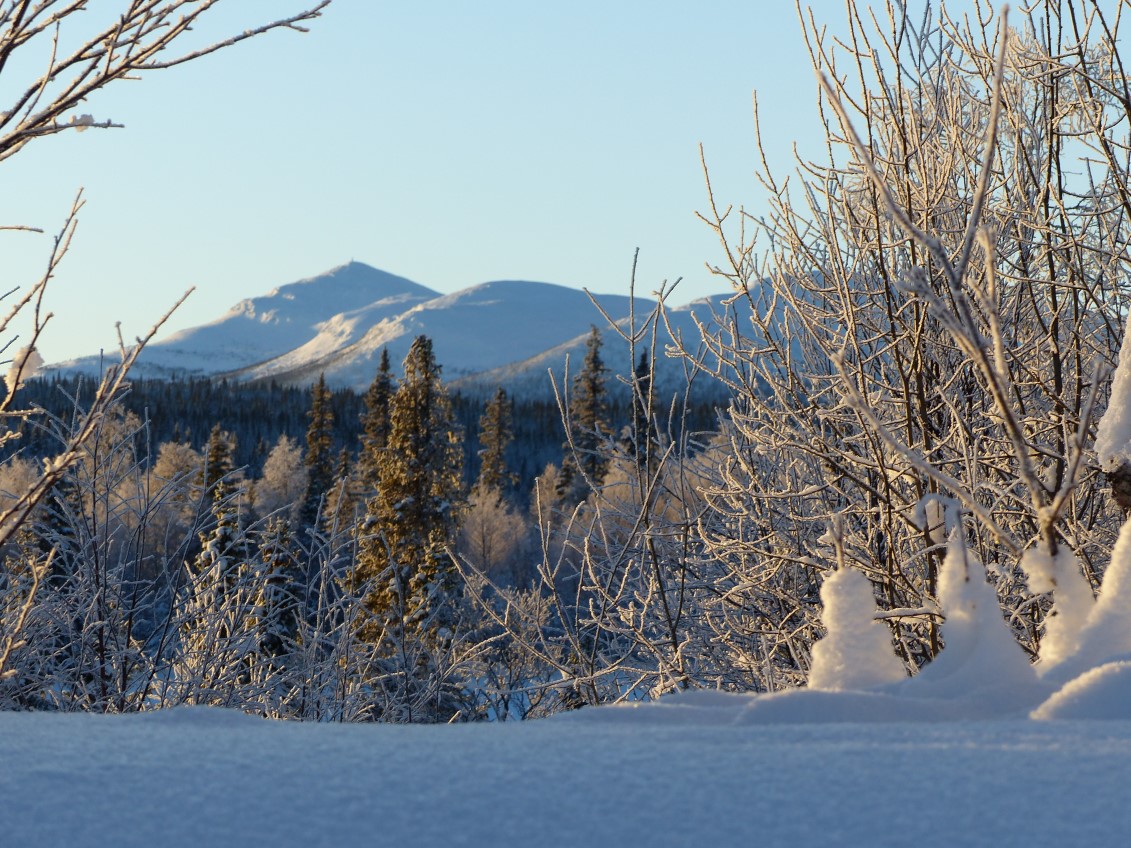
(80, 50)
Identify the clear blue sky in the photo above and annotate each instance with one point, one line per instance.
(449, 142)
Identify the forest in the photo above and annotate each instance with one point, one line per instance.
(247, 515)
(917, 355)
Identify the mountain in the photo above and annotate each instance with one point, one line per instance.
(531, 376)
(265, 327)
(505, 332)
(473, 330)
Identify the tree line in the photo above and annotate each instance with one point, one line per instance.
(185, 410)
(214, 580)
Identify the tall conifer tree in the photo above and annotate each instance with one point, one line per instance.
(410, 519)
(219, 540)
(218, 463)
(495, 435)
(342, 497)
(222, 559)
(638, 438)
(588, 408)
(278, 608)
(375, 424)
(319, 457)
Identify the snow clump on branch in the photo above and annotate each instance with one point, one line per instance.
(25, 364)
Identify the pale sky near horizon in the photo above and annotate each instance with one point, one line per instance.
(451, 143)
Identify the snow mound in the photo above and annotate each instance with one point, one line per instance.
(1106, 632)
(198, 716)
(1101, 693)
(981, 673)
(1073, 603)
(1113, 432)
(981, 664)
(857, 652)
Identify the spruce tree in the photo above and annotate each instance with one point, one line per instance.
(584, 461)
(638, 437)
(495, 435)
(215, 606)
(342, 497)
(375, 424)
(409, 520)
(319, 457)
(216, 615)
(218, 464)
(219, 554)
(278, 608)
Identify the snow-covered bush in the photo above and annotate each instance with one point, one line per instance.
(102, 47)
(927, 315)
(915, 348)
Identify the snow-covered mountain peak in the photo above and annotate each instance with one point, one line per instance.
(475, 329)
(353, 281)
(337, 324)
(261, 328)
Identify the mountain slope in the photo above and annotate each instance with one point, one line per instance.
(531, 376)
(473, 330)
(264, 327)
(506, 332)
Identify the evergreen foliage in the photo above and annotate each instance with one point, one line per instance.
(375, 425)
(343, 498)
(220, 541)
(410, 521)
(637, 437)
(584, 464)
(495, 436)
(218, 465)
(319, 457)
(278, 607)
(184, 411)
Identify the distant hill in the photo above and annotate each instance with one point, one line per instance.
(530, 377)
(498, 333)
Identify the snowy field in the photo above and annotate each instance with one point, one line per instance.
(982, 747)
(698, 775)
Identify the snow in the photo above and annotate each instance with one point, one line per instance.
(473, 330)
(1106, 632)
(1101, 693)
(857, 652)
(264, 327)
(981, 666)
(195, 776)
(1072, 605)
(1084, 671)
(25, 364)
(978, 749)
(1113, 433)
(982, 747)
(505, 332)
(527, 377)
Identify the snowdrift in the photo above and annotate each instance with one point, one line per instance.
(981, 673)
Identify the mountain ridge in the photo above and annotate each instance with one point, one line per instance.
(337, 323)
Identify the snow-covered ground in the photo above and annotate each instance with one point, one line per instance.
(980, 748)
(688, 773)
